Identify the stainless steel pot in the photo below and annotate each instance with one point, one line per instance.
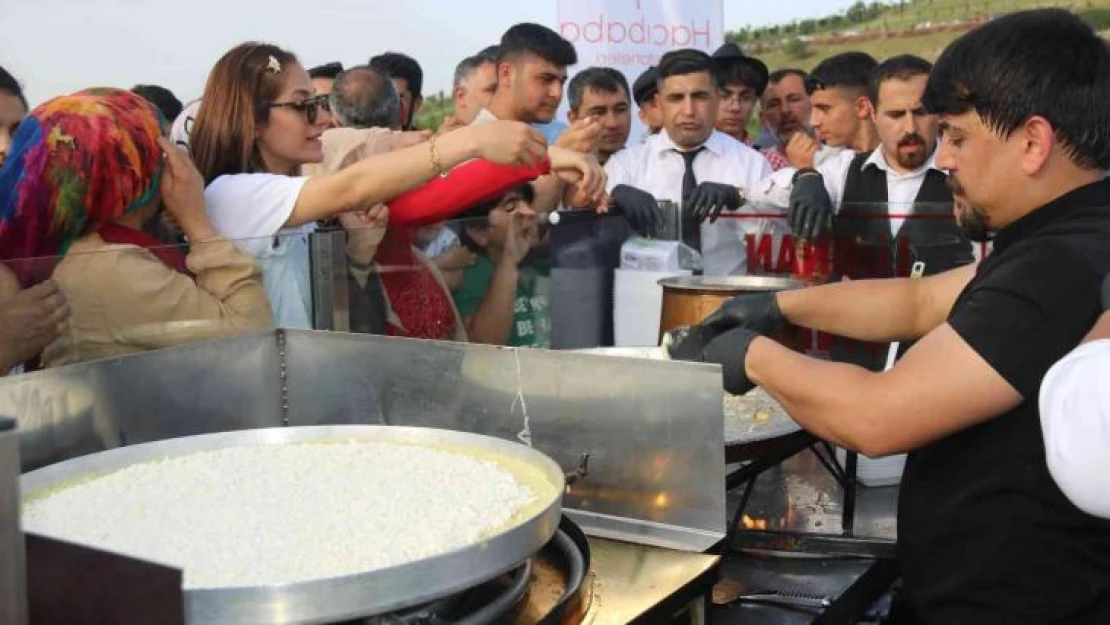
(689, 299)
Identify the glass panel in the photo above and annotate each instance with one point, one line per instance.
(561, 284)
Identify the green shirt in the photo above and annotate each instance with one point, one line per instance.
(531, 308)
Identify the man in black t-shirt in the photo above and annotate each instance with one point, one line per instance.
(985, 535)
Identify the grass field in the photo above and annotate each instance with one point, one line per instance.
(899, 18)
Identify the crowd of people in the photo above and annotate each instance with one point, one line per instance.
(129, 221)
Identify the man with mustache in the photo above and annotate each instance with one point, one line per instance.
(892, 205)
(984, 533)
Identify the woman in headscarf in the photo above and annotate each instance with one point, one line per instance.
(261, 121)
(85, 173)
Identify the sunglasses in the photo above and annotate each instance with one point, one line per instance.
(310, 107)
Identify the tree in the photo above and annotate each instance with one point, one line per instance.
(857, 12)
(797, 49)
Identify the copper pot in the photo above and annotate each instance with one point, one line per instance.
(689, 299)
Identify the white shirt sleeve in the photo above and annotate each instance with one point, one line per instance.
(1075, 421)
(617, 171)
(773, 192)
(252, 206)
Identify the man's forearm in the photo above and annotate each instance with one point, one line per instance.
(894, 309)
(866, 310)
(549, 192)
(493, 321)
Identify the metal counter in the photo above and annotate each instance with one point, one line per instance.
(637, 583)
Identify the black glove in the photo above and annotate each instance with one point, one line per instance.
(1106, 292)
(758, 312)
(729, 350)
(811, 207)
(639, 207)
(709, 199)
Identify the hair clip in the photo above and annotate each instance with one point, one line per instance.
(273, 66)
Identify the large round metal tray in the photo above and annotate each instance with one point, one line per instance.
(742, 426)
(373, 592)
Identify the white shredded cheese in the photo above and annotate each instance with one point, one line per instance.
(278, 514)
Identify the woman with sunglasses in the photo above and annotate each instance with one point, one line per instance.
(261, 121)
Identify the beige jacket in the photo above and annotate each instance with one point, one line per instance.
(125, 300)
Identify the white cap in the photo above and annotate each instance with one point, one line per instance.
(1075, 421)
(183, 125)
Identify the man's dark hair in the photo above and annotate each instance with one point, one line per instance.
(327, 70)
(162, 98)
(847, 70)
(11, 85)
(684, 62)
(901, 67)
(364, 97)
(399, 65)
(539, 40)
(477, 216)
(779, 75)
(1044, 62)
(490, 53)
(604, 79)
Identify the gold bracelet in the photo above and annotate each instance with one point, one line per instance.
(437, 165)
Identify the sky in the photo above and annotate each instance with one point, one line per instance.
(60, 46)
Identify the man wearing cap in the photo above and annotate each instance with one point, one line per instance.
(743, 79)
(692, 164)
(1075, 418)
(644, 91)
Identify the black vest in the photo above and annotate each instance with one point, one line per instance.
(864, 248)
(863, 245)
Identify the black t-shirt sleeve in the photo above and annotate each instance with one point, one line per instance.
(1027, 311)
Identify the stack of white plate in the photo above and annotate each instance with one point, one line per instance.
(885, 471)
(638, 305)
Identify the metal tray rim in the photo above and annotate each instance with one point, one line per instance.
(362, 594)
(711, 284)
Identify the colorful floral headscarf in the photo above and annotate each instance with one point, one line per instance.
(77, 162)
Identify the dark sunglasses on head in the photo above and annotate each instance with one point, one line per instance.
(310, 107)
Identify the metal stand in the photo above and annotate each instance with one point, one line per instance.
(330, 297)
(778, 500)
(771, 453)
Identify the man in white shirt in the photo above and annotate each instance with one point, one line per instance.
(1075, 418)
(692, 164)
(874, 193)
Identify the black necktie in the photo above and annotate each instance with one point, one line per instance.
(691, 232)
